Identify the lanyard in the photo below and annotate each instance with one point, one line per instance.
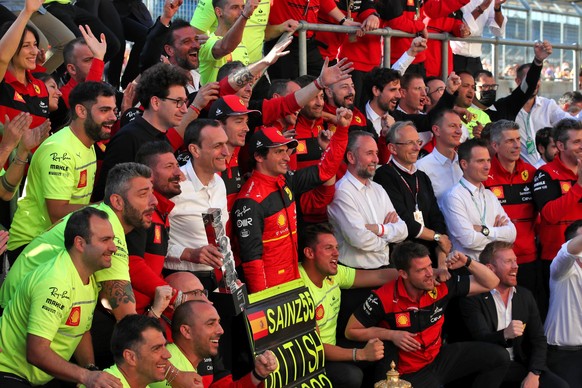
(415, 195)
(482, 215)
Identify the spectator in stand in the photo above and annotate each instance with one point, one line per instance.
(558, 191)
(538, 112)
(411, 193)
(196, 331)
(511, 181)
(500, 317)
(139, 350)
(442, 164)
(49, 316)
(562, 326)
(546, 146)
(83, 60)
(361, 211)
(73, 16)
(224, 44)
(62, 173)
(265, 207)
(162, 93)
(473, 213)
(409, 313)
(477, 15)
(571, 102)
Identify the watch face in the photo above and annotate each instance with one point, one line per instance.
(437, 237)
(485, 231)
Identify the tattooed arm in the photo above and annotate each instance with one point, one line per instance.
(117, 296)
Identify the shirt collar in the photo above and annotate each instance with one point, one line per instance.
(472, 188)
(356, 182)
(401, 167)
(192, 177)
(512, 291)
(371, 113)
(443, 159)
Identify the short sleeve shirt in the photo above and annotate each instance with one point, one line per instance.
(328, 299)
(62, 168)
(179, 360)
(209, 65)
(53, 303)
(47, 245)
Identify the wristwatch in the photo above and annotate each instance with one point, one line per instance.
(485, 230)
(468, 262)
(437, 237)
(536, 372)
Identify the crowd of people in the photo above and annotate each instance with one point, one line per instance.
(401, 196)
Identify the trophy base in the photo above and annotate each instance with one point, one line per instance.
(231, 303)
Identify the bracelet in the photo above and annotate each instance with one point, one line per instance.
(92, 367)
(341, 22)
(318, 84)
(195, 109)
(538, 62)
(497, 9)
(257, 376)
(479, 9)
(7, 186)
(174, 374)
(151, 310)
(382, 229)
(244, 16)
(17, 160)
(354, 353)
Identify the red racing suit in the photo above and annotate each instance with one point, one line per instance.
(515, 193)
(265, 218)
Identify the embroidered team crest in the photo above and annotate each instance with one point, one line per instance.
(498, 191)
(319, 312)
(18, 97)
(289, 193)
(524, 175)
(36, 89)
(158, 234)
(301, 147)
(358, 120)
(82, 179)
(403, 320)
(74, 317)
(565, 186)
(433, 293)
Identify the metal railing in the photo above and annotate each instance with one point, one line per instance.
(387, 33)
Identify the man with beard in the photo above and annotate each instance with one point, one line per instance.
(546, 146)
(161, 92)
(62, 173)
(196, 331)
(409, 313)
(361, 211)
(130, 204)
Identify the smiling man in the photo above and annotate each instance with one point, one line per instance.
(62, 174)
(50, 315)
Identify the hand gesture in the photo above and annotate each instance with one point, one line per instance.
(405, 340)
(542, 50)
(386, 122)
(206, 95)
(453, 83)
(41, 56)
(456, 260)
(343, 117)
(477, 130)
(98, 48)
(13, 130)
(209, 255)
(129, 96)
(170, 9)
(464, 30)
(250, 7)
(351, 23)
(514, 330)
(339, 72)
(266, 363)
(323, 138)
(417, 46)
(373, 351)
(464, 114)
(498, 3)
(31, 6)
(441, 275)
(162, 299)
(500, 220)
(290, 25)
(31, 138)
(99, 379)
(277, 50)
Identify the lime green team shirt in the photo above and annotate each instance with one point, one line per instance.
(204, 19)
(479, 116)
(209, 65)
(328, 299)
(47, 245)
(62, 168)
(114, 370)
(53, 303)
(179, 360)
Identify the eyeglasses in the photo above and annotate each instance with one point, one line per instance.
(439, 90)
(410, 143)
(196, 293)
(489, 87)
(179, 102)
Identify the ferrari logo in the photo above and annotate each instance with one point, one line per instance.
(433, 294)
(524, 175)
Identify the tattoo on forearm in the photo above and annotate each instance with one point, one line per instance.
(242, 77)
(118, 292)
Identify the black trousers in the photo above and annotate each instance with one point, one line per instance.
(517, 372)
(470, 64)
(489, 362)
(566, 364)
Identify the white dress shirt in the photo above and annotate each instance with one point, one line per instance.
(443, 172)
(354, 205)
(504, 313)
(564, 318)
(476, 26)
(544, 112)
(466, 205)
(186, 225)
(374, 118)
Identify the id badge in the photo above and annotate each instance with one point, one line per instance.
(531, 146)
(418, 217)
